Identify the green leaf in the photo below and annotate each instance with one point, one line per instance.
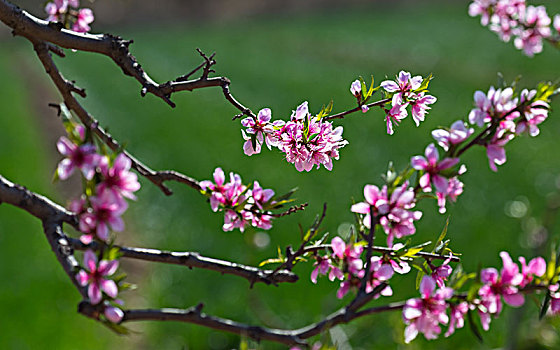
(287, 195)
(411, 252)
(544, 307)
(117, 328)
(501, 81)
(271, 261)
(441, 236)
(473, 327)
(325, 111)
(425, 83)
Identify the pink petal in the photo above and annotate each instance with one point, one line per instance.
(427, 286)
(515, 300)
(94, 293)
(360, 208)
(65, 168)
(110, 288)
(419, 163)
(82, 277)
(90, 260)
(338, 247)
(65, 146)
(107, 268)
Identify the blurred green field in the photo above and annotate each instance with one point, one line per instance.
(277, 62)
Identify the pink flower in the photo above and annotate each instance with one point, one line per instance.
(393, 214)
(348, 254)
(242, 207)
(457, 319)
(85, 17)
(432, 169)
(233, 220)
(374, 198)
(395, 114)
(493, 105)
(482, 8)
(454, 189)
(322, 266)
(533, 114)
(495, 148)
(82, 157)
(499, 285)
(106, 210)
(224, 194)
(456, 134)
(118, 179)
(399, 221)
(420, 107)
(356, 89)
(94, 276)
(380, 272)
(263, 130)
(261, 196)
(402, 87)
(425, 314)
(441, 273)
(308, 141)
(535, 268)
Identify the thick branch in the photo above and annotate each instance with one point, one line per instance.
(193, 259)
(290, 337)
(111, 46)
(36, 205)
(66, 88)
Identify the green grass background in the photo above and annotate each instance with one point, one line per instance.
(274, 61)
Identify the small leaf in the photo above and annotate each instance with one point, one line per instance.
(271, 261)
(441, 236)
(425, 83)
(473, 327)
(545, 305)
(117, 328)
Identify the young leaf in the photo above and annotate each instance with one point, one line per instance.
(473, 327)
(545, 305)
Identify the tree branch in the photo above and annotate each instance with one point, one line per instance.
(194, 259)
(114, 47)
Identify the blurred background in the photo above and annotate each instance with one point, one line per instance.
(277, 54)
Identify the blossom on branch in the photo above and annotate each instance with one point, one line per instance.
(425, 314)
(118, 179)
(106, 210)
(94, 277)
(457, 133)
(242, 205)
(432, 168)
(82, 157)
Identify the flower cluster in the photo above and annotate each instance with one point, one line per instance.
(68, 13)
(242, 205)
(407, 91)
(527, 25)
(435, 173)
(392, 211)
(505, 285)
(307, 141)
(345, 264)
(426, 314)
(508, 115)
(109, 181)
